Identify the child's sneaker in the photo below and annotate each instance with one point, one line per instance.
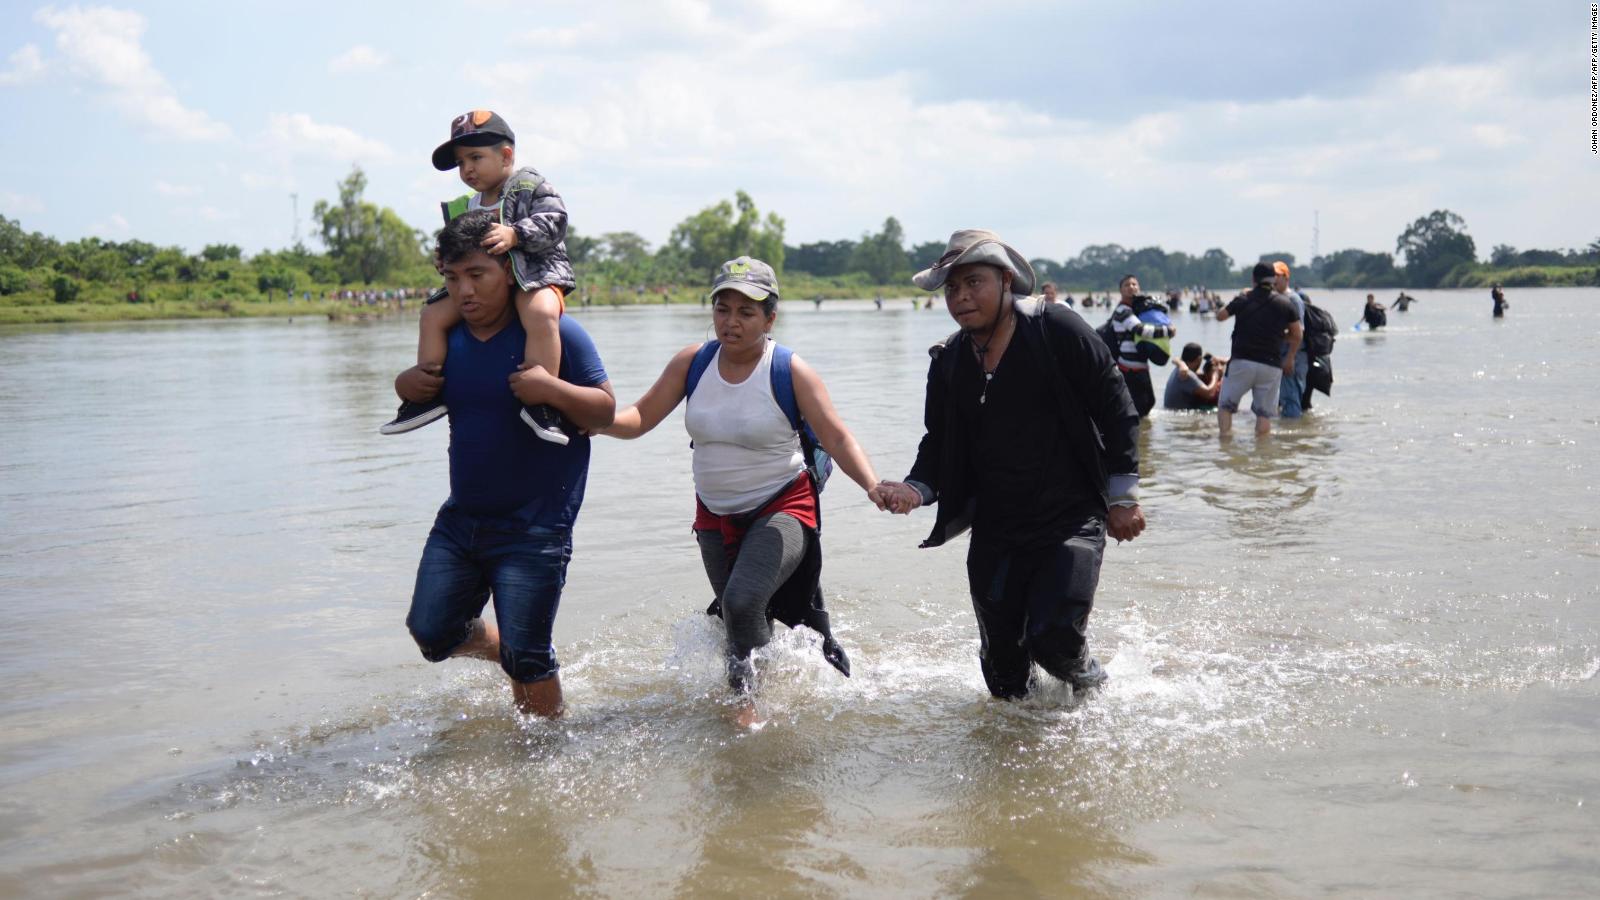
(413, 416)
(546, 423)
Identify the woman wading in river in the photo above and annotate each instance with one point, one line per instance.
(753, 408)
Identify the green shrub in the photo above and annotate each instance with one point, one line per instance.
(12, 280)
(65, 288)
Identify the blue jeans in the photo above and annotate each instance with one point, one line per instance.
(1294, 388)
(467, 559)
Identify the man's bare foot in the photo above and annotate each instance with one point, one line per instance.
(540, 698)
(483, 641)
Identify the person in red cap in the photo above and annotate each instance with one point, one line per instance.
(531, 232)
(1265, 339)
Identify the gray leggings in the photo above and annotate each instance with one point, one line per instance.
(768, 555)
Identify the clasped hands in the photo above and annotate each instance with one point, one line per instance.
(1123, 523)
(895, 497)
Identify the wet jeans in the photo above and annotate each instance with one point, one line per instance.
(1291, 393)
(468, 559)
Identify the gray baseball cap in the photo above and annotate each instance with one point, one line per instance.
(975, 245)
(747, 275)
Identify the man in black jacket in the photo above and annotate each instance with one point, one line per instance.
(1032, 442)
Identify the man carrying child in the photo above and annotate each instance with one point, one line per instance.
(506, 528)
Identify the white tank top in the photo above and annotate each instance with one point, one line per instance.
(744, 449)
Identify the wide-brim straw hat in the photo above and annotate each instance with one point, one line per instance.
(976, 245)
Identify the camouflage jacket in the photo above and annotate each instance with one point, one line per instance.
(534, 210)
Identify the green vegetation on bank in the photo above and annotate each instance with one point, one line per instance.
(372, 256)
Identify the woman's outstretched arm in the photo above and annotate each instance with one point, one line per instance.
(657, 403)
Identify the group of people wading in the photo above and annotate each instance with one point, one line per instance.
(1030, 443)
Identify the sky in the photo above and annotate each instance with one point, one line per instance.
(1236, 125)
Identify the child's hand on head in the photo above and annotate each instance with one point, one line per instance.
(499, 239)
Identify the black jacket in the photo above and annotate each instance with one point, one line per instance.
(1088, 393)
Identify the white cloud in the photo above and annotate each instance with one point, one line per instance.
(167, 189)
(298, 134)
(1495, 135)
(260, 181)
(360, 58)
(212, 214)
(113, 225)
(567, 38)
(102, 46)
(26, 65)
(835, 153)
(13, 204)
(755, 30)
(643, 111)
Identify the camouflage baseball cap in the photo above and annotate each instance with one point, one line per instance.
(476, 128)
(747, 275)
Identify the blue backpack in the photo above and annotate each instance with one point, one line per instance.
(818, 462)
(1156, 350)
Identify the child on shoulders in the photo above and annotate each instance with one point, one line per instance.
(531, 234)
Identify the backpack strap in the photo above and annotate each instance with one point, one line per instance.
(783, 385)
(818, 462)
(697, 366)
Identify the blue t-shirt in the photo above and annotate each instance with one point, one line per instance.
(498, 466)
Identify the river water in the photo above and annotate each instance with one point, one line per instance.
(1357, 658)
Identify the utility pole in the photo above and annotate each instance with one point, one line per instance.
(294, 199)
(1316, 233)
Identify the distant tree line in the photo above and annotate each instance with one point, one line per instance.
(1436, 249)
(366, 244)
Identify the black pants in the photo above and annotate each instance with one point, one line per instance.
(1143, 393)
(1033, 605)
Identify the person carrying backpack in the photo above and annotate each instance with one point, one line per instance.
(1292, 390)
(1139, 333)
(1321, 330)
(764, 436)
(1265, 317)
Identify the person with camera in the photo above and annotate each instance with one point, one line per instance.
(1195, 381)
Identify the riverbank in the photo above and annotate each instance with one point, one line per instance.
(40, 310)
(67, 313)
